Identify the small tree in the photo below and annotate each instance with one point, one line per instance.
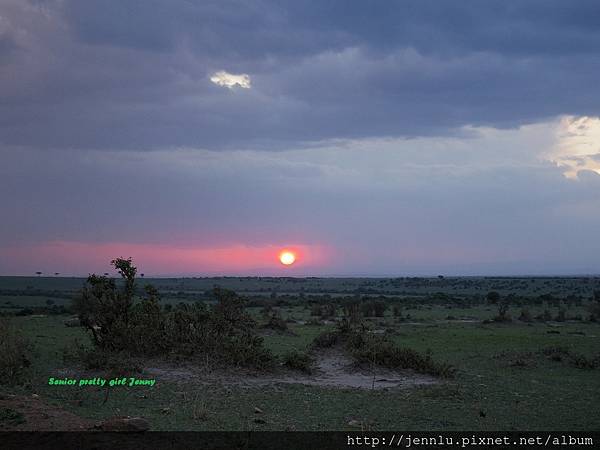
(503, 312)
(379, 307)
(397, 311)
(493, 297)
(104, 310)
(352, 311)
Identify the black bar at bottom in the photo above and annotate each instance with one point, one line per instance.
(323, 440)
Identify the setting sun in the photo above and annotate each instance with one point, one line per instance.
(287, 258)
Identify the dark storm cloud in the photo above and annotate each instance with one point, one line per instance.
(135, 74)
(261, 28)
(530, 27)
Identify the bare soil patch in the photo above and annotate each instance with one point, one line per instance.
(21, 413)
(333, 369)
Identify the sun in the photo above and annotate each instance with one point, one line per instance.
(287, 258)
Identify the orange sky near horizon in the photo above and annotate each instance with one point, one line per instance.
(80, 258)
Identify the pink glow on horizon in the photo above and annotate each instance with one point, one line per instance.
(80, 258)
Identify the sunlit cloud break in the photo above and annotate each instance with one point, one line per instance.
(230, 80)
(578, 145)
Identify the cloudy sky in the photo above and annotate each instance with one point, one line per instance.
(371, 138)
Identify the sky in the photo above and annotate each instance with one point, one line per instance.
(375, 138)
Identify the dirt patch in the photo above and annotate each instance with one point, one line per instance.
(333, 369)
(20, 413)
(275, 332)
(461, 320)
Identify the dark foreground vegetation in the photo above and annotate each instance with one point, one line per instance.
(223, 332)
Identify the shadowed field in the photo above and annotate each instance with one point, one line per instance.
(538, 371)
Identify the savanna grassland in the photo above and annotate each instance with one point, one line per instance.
(458, 354)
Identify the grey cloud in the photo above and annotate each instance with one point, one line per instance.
(136, 75)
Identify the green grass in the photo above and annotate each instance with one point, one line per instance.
(503, 379)
(488, 392)
(28, 301)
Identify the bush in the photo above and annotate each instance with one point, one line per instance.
(352, 311)
(562, 315)
(11, 417)
(379, 307)
(266, 310)
(300, 361)
(373, 308)
(525, 315)
(379, 350)
(493, 297)
(95, 358)
(578, 360)
(594, 312)
(276, 323)
(397, 311)
(383, 353)
(225, 333)
(316, 310)
(503, 315)
(328, 311)
(15, 355)
(369, 349)
(326, 339)
(584, 362)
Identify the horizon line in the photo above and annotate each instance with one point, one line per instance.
(515, 275)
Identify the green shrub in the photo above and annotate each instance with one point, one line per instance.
(369, 349)
(584, 362)
(525, 315)
(493, 297)
(578, 360)
(594, 310)
(297, 360)
(15, 355)
(316, 310)
(276, 323)
(95, 358)
(11, 417)
(326, 339)
(224, 333)
(351, 310)
(397, 311)
(379, 307)
(328, 311)
(378, 350)
(503, 315)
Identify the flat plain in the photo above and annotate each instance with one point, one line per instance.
(537, 369)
